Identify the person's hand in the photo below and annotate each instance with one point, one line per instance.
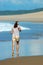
(19, 29)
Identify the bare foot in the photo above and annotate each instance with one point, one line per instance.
(13, 55)
(17, 55)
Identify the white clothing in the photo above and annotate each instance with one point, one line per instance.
(16, 31)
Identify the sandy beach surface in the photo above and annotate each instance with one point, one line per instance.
(34, 17)
(33, 60)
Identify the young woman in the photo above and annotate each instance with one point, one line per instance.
(15, 37)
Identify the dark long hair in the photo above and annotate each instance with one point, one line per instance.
(16, 24)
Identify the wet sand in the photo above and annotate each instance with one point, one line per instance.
(32, 60)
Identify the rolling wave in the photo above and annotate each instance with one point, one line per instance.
(8, 27)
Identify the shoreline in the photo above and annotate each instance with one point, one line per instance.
(32, 60)
(29, 17)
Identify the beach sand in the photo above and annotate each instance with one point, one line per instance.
(31, 17)
(33, 60)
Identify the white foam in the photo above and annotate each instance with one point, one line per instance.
(8, 27)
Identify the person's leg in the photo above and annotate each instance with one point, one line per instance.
(13, 47)
(17, 48)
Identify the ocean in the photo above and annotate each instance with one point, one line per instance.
(31, 41)
(35, 32)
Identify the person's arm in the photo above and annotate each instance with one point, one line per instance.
(19, 28)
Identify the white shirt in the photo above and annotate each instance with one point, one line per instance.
(16, 31)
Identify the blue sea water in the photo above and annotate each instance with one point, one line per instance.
(35, 32)
(31, 41)
(27, 47)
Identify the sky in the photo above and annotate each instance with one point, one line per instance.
(20, 4)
